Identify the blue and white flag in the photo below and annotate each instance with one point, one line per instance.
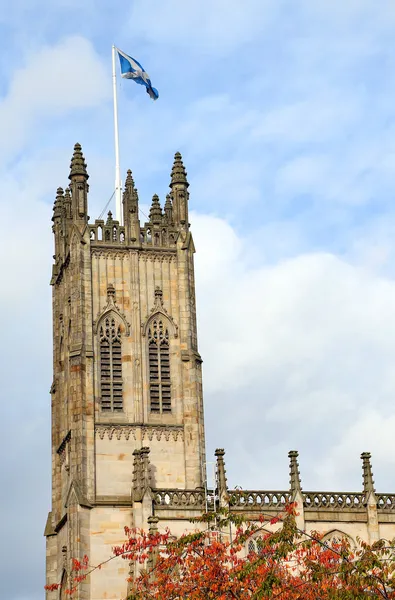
(131, 69)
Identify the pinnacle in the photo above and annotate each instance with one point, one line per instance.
(78, 164)
(168, 204)
(368, 482)
(155, 214)
(178, 172)
(129, 179)
(294, 471)
(57, 207)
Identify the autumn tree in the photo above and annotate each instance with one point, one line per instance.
(282, 562)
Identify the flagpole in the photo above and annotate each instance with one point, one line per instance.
(118, 183)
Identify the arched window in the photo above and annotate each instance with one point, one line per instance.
(254, 545)
(159, 367)
(337, 537)
(110, 366)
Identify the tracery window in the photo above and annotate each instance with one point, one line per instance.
(111, 366)
(254, 545)
(159, 367)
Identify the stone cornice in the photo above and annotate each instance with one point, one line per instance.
(148, 432)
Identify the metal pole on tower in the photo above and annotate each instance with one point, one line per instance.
(118, 182)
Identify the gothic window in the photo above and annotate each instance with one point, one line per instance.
(110, 366)
(159, 367)
(336, 538)
(254, 545)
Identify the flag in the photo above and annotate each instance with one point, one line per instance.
(131, 69)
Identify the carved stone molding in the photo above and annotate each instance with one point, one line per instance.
(111, 307)
(158, 309)
(157, 256)
(112, 254)
(148, 432)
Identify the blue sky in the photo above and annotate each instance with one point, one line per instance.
(285, 115)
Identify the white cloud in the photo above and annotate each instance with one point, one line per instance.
(295, 353)
(57, 79)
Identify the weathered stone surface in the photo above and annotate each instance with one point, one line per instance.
(116, 468)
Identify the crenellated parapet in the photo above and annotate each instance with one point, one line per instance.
(108, 232)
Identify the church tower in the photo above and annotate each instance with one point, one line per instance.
(127, 408)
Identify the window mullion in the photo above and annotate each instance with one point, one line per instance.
(160, 378)
(111, 374)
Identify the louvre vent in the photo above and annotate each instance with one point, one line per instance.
(111, 366)
(159, 368)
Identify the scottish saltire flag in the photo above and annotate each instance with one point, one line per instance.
(131, 69)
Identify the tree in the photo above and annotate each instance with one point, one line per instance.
(282, 563)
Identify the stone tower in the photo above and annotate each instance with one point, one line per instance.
(127, 409)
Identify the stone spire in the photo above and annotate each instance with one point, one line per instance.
(368, 483)
(295, 483)
(78, 164)
(155, 215)
(178, 172)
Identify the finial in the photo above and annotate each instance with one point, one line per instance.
(178, 172)
(78, 164)
(158, 300)
(221, 472)
(368, 483)
(109, 218)
(146, 467)
(295, 482)
(129, 181)
(67, 202)
(130, 190)
(155, 214)
(58, 204)
(153, 524)
(169, 209)
(110, 293)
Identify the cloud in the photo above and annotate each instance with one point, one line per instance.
(295, 354)
(54, 81)
(284, 114)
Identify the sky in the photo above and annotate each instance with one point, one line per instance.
(285, 116)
